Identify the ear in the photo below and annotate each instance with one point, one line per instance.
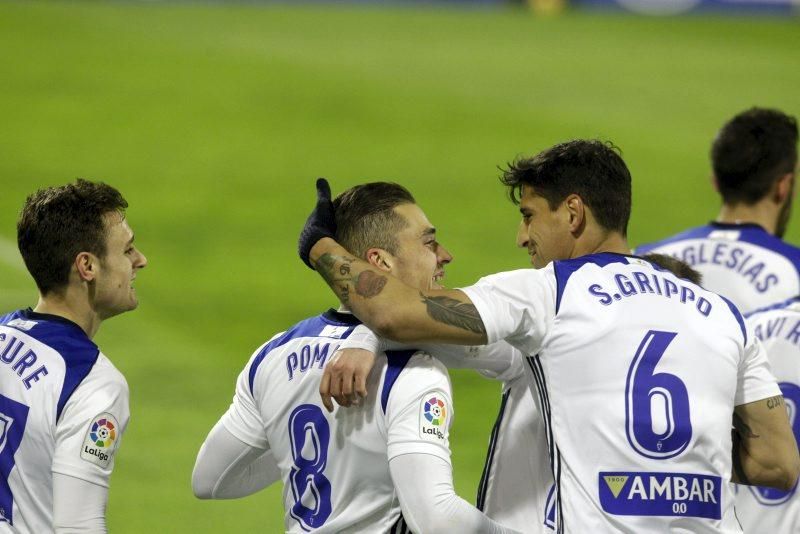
(784, 188)
(86, 264)
(380, 258)
(576, 211)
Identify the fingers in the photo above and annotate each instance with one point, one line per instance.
(325, 390)
(345, 378)
(343, 390)
(323, 189)
(361, 385)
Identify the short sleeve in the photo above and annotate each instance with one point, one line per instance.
(90, 429)
(243, 418)
(362, 338)
(498, 361)
(517, 306)
(755, 380)
(420, 409)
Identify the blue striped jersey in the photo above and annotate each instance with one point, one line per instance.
(636, 375)
(63, 409)
(335, 466)
(743, 262)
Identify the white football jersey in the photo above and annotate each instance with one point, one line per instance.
(637, 373)
(335, 467)
(516, 488)
(63, 409)
(778, 328)
(743, 262)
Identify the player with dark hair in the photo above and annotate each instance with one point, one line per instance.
(741, 254)
(381, 467)
(637, 371)
(63, 405)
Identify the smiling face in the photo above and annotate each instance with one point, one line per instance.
(113, 284)
(419, 259)
(544, 232)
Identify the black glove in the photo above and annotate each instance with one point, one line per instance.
(321, 223)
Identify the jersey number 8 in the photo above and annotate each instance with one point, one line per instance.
(309, 433)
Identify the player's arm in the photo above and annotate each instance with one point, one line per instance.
(80, 506)
(430, 504)
(235, 460)
(764, 448)
(345, 377)
(88, 434)
(418, 418)
(393, 309)
(387, 305)
(228, 468)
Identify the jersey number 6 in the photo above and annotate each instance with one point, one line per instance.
(657, 419)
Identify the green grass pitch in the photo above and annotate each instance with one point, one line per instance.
(214, 120)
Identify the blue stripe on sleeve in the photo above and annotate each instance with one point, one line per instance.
(397, 361)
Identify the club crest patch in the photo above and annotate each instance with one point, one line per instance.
(433, 417)
(101, 440)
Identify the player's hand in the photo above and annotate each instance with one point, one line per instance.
(321, 223)
(345, 377)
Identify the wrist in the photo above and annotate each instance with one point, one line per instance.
(323, 246)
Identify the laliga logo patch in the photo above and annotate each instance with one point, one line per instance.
(101, 440)
(435, 411)
(103, 433)
(433, 418)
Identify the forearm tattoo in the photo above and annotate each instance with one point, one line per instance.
(738, 469)
(343, 278)
(337, 271)
(454, 312)
(743, 428)
(774, 402)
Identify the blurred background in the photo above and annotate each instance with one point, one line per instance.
(214, 118)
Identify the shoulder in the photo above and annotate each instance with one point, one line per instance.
(411, 373)
(757, 236)
(532, 276)
(787, 307)
(591, 264)
(103, 380)
(327, 327)
(698, 232)
(524, 286)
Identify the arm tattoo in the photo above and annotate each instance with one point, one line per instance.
(339, 278)
(738, 469)
(325, 265)
(337, 272)
(454, 312)
(742, 428)
(774, 402)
